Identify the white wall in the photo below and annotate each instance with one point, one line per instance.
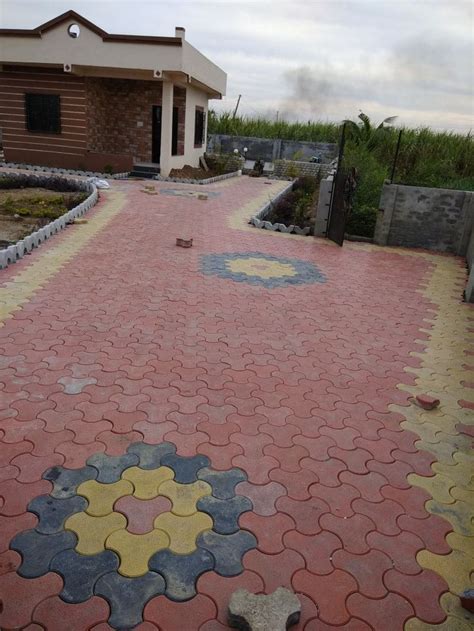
(191, 155)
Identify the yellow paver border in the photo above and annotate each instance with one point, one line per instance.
(49, 261)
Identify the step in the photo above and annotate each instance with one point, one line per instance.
(146, 168)
(147, 175)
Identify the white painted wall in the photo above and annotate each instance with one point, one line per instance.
(191, 155)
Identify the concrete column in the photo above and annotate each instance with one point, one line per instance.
(166, 128)
(384, 217)
(322, 212)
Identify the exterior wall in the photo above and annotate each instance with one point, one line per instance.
(17, 140)
(179, 101)
(293, 168)
(419, 217)
(104, 122)
(69, 149)
(470, 264)
(272, 149)
(194, 97)
(120, 116)
(229, 162)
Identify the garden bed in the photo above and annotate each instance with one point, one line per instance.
(25, 210)
(294, 210)
(35, 207)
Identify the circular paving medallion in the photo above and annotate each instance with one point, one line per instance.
(131, 527)
(261, 269)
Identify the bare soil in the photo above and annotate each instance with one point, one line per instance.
(192, 173)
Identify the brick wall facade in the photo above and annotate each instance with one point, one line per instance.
(119, 113)
(103, 121)
(179, 101)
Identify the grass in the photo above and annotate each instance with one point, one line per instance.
(426, 158)
(37, 203)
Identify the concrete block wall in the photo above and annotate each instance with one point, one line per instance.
(420, 217)
(470, 265)
(229, 162)
(294, 168)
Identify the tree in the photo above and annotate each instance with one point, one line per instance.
(365, 133)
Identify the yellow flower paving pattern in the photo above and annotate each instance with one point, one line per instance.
(280, 369)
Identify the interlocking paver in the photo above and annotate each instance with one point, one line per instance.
(291, 401)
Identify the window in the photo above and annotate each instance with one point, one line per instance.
(43, 113)
(199, 127)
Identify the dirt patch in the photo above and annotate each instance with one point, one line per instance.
(25, 210)
(192, 173)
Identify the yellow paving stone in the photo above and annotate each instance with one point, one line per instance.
(185, 496)
(146, 482)
(102, 497)
(456, 568)
(438, 486)
(442, 450)
(462, 494)
(183, 531)
(53, 256)
(254, 266)
(93, 531)
(456, 473)
(459, 514)
(461, 543)
(136, 550)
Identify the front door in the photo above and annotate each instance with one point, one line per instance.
(156, 134)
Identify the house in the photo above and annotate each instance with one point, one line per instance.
(74, 96)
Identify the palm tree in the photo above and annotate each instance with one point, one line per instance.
(365, 133)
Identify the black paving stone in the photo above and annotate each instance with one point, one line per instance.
(181, 571)
(38, 550)
(80, 572)
(185, 469)
(127, 597)
(227, 550)
(53, 512)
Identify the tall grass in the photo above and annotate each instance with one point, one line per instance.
(426, 157)
(260, 127)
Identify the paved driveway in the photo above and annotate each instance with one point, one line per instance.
(179, 423)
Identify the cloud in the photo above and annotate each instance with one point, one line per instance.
(325, 58)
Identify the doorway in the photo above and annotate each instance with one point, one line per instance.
(156, 134)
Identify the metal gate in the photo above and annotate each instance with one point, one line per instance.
(343, 189)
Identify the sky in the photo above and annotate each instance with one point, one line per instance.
(317, 59)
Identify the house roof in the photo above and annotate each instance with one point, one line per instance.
(110, 37)
(94, 52)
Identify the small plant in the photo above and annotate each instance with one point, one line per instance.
(298, 155)
(292, 171)
(108, 168)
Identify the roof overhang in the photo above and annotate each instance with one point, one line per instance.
(96, 53)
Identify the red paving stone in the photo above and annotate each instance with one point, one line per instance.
(290, 384)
